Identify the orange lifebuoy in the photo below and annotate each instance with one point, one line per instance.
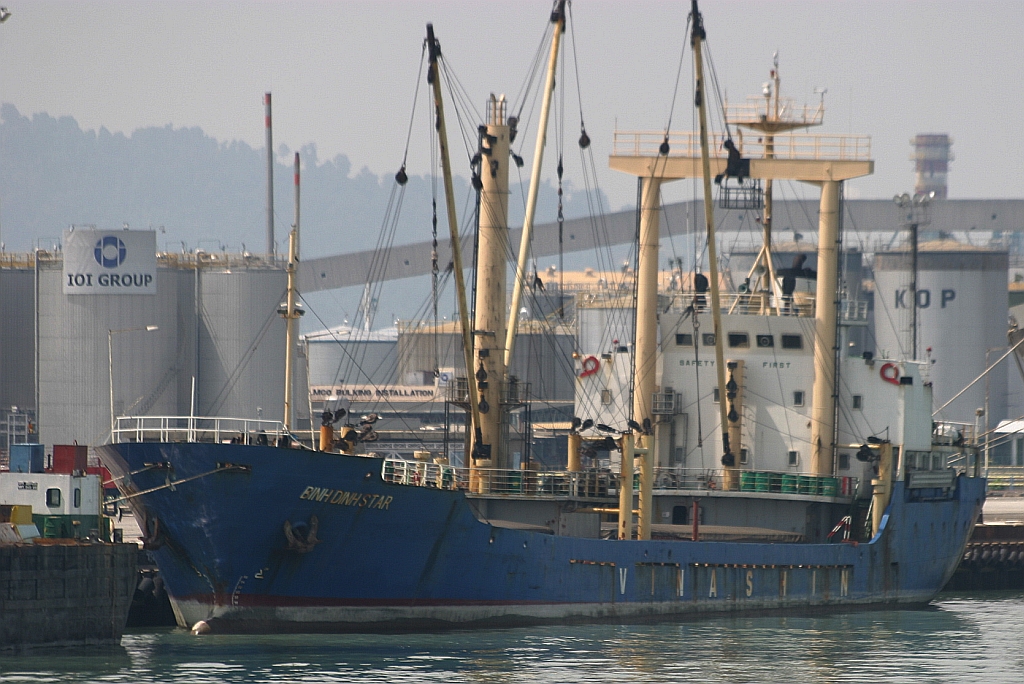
(590, 366)
(890, 372)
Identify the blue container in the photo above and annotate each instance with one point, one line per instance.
(26, 458)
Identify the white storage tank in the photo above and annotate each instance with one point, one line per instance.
(74, 367)
(962, 313)
(346, 356)
(241, 341)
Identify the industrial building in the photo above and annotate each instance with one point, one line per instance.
(204, 338)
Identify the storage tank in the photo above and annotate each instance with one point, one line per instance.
(962, 312)
(342, 355)
(74, 367)
(241, 341)
(17, 331)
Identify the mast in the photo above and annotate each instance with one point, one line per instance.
(696, 40)
(270, 174)
(558, 19)
(489, 318)
(434, 79)
(291, 315)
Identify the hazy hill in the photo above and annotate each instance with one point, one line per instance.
(201, 192)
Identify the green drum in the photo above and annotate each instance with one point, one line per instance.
(807, 484)
(789, 483)
(761, 482)
(829, 486)
(747, 480)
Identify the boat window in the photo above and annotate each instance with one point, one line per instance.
(708, 339)
(606, 396)
(743, 456)
(798, 398)
(765, 341)
(684, 340)
(53, 498)
(680, 515)
(918, 460)
(858, 401)
(716, 398)
(844, 461)
(78, 498)
(792, 342)
(794, 458)
(739, 340)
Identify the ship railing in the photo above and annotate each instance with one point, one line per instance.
(595, 483)
(797, 146)
(198, 429)
(561, 483)
(743, 303)
(952, 433)
(756, 110)
(1009, 478)
(742, 480)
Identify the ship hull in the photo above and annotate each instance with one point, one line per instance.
(234, 547)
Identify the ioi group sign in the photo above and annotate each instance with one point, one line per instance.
(109, 262)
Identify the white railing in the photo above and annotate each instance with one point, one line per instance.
(198, 429)
(744, 303)
(604, 484)
(756, 110)
(790, 146)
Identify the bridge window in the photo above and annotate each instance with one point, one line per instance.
(858, 401)
(53, 498)
(792, 342)
(765, 341)
(708, 339)
(798, 398)
(684, 340)
(739, 340)
(743, 456)
(844, 461)
(606, 397)
(794, 458)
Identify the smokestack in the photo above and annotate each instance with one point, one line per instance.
(270, 176)
(931, 159)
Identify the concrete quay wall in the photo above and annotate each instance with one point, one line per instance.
(65, 593)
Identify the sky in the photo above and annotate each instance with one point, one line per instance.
(343, 74)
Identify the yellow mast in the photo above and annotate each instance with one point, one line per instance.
(489, 370)
(696, 39)
(558, 19)
(434, 79)
(291, 315)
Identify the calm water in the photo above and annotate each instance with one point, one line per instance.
(963, 638)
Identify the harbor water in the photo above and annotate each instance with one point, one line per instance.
(960, 637)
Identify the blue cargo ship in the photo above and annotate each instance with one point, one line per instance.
(254, 530)
(364, 553)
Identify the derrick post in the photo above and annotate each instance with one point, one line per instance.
(822, 407)
(645, 516)
(882, 486)
(489, 322)
(626, 486)
(646, 335)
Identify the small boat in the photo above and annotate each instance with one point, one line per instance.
(64, 582)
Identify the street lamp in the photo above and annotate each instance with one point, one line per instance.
(110, 359)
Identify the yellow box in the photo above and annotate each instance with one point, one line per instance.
(21, 515)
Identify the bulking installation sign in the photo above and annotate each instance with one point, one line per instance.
(109, 262)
